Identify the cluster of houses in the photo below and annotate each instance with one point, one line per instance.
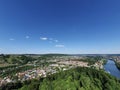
(75, 63)
(99, 65)
(22, 76)
(117, 58)
(31, 74)
(5, 80)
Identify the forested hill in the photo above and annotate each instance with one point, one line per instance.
(74, 79)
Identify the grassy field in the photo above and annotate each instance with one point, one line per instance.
(6, 65)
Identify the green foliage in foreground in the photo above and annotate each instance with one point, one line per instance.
(74, 79)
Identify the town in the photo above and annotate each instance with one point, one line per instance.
(44, 65)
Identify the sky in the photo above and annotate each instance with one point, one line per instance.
(60, 26)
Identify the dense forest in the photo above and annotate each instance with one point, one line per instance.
(79, 78)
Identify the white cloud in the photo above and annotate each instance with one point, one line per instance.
(27, 37)
(60, 46)
(11, 39)
(44, 38)
(56, 40)
(53, 40)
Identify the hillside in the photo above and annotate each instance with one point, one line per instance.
(75, 79)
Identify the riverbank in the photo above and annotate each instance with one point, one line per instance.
(111, 67)
(118, 65)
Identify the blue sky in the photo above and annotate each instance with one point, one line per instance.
(60, 26)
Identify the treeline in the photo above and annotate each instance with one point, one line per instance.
(50, 56)
(91, 59)
(6, 67)
(15, 59)
(79, 78)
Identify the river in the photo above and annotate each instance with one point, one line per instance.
(111, 68)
